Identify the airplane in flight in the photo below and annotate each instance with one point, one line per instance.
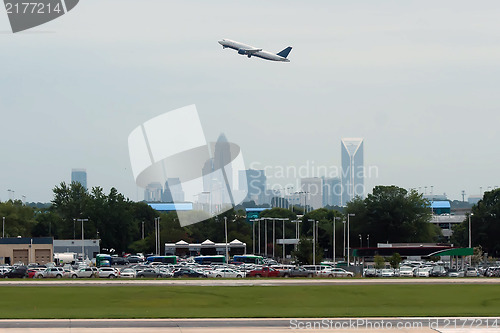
(251, 51)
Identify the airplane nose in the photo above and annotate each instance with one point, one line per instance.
(220, 41)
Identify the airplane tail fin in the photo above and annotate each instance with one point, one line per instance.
(285, 52)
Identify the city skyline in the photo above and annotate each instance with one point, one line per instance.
(419, 85)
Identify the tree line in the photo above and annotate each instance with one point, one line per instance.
(388, 214)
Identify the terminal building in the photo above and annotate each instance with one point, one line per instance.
(182, 248)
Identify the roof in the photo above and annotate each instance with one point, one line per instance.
(256, 209)
(171, 206)
(461, 251)
(27, 240)
(440, 204)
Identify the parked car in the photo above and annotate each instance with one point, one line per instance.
(19, 272)
(149, 273)
(225, 273)
(134, 259)
(264, 272)
(371, 272)
(119, 261)
(406, 271)
(297, 272)
(188, 272)
(455, 273)
(387, 272)
(108, 272)
(88, 272)
(423, 272)
(336, 272)
(52, 272)
(471, 272)
(128, 273)
(438, 271)
(33, 271)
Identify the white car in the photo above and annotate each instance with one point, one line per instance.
(471, 272)
(387, 272)
(423, 272)
(225, 273)
(406, 271)
(108, 272)
(335, 272)
(128, 273)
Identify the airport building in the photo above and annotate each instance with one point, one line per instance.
(182, 248)
(26, 250)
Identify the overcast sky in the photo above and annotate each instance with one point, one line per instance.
(418, 80)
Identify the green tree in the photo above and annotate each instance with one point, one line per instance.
(395, 260)
(379, 262)
(304, 253)
(485, 225)
(393, 214)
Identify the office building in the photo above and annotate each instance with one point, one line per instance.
(313, 191)
(254, 181)
(332, 191)
(79, 176)
(352, 169)
(153, 192)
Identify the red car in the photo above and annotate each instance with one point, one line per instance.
(32, 272)
(264, 272)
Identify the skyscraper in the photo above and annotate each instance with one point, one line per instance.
(352, 169)
(153, 192)
(313, 188)
(332, 190)
(79, 176)
(254, 182)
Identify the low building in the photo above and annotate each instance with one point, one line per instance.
(182, 248)
(91, 247)
(26, 250)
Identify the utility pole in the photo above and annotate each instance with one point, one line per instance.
(463, 196)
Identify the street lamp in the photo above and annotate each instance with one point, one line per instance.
(368, 240)
(343, 248)
(83, 238)
(470, 234)
(348, 243)
(3, 227)
(360, 241)
(333, 253)
(225, 230)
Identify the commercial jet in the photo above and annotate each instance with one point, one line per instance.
(251, 51)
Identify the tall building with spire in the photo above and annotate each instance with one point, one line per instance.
(352, 169)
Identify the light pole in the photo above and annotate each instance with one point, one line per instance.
(314, 240)
(142, 229)
(74, 228)
(284, 239)
(265, 237)
(274, 236)
(348, 243)
(83, 238)
(360, 241)
(470, 234)
(225, 230)
(343, 222)
(253, 233)
(3, 227)
(333, 253)
(368, 240)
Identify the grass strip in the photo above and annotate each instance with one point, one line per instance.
(36, 302)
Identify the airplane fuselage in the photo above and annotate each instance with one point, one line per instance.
(251, 51)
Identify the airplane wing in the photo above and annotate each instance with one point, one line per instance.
(252, 51)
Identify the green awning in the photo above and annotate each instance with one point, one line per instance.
(461, 251)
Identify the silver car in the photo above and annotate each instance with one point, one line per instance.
(89, 272)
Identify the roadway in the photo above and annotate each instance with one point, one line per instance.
(415, 325)
(246, 282)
